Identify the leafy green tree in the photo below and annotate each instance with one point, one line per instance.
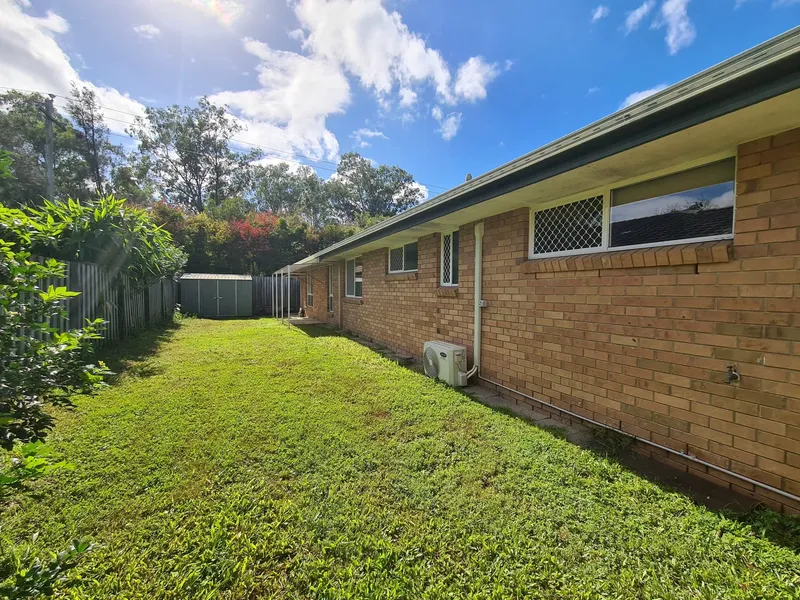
(188, 150)
(22, 134)
(93, 141)
(361, 188)
(231, 209)
(131, 181)
(277, 189)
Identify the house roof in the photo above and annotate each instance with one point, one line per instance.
(216, 276)
(758, 74)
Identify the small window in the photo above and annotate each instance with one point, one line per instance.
(449, 259)
(353, 285)
(309, 291)
(330, 288)
(690, 205)
(569, 227)
(403, 258)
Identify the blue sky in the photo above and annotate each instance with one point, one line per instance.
(441, 88)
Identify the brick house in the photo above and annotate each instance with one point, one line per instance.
(626, 269)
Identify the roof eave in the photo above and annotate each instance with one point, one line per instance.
(766, 71)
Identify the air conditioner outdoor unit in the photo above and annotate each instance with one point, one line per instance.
(446, 362)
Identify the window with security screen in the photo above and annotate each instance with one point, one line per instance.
(403, 259)
(449, 266)
(569, 227)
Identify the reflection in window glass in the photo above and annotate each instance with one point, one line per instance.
(410, 263)
(696, 213)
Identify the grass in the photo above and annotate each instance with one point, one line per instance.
(242, 459)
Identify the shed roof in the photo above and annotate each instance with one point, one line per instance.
(216, 276)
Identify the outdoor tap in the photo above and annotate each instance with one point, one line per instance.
(733, 374)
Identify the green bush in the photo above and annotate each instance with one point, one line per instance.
(119, 238)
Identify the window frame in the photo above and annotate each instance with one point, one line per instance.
(403, 270)
(607, 193)
(310, 291)
(330, 289)
(356, 279)
(453, 267)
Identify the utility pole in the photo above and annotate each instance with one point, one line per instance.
(49, 150)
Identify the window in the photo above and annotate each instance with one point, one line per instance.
(403, 258)
(574, 226)
(309, 291)
(449, 258)
(689, 206)
(330, 288)
(353, 285)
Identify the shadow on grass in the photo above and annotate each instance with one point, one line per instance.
(315, 331)
(131, 356)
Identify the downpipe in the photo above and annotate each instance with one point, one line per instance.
(476, 324)
(685, 455)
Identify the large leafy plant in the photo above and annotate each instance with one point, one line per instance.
(122, 239)
(40, 365)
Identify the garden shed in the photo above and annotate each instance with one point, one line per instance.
(217, 295)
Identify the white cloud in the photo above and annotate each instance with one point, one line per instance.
(635, 17)
(639, 96)
(601, 12)
(680, 29)
(224, 11)
(473, 77)
(372, 44)
(31, 59)
(376, 46)
(148, 30)
(593, 90)
(448, 124)
(422, 188)
(289, 110)
(779, 3)
(408, 97)
(362, 135)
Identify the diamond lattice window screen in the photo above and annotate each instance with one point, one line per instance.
(574, 226)
(447, 244)
(396, 259)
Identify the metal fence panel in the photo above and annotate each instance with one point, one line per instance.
(125, 306)
(263, 291)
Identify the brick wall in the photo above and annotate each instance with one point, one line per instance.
(405, 310)
(319, 311)
(637, 340)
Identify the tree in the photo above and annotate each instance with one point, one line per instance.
(361, 188)
(277, 189)
(22, 135)
(93, 136)
(189, 154)
(131, 181)
(282, 191)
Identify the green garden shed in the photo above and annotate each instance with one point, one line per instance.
(217, 295)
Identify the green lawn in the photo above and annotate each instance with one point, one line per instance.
(243, 459)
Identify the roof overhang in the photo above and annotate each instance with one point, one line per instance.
(752, 95)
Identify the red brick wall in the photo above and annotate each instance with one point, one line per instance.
(638, 340)
(319, 311)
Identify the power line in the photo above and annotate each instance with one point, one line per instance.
(261, 147)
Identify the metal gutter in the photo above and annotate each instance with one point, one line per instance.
(758, 74)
